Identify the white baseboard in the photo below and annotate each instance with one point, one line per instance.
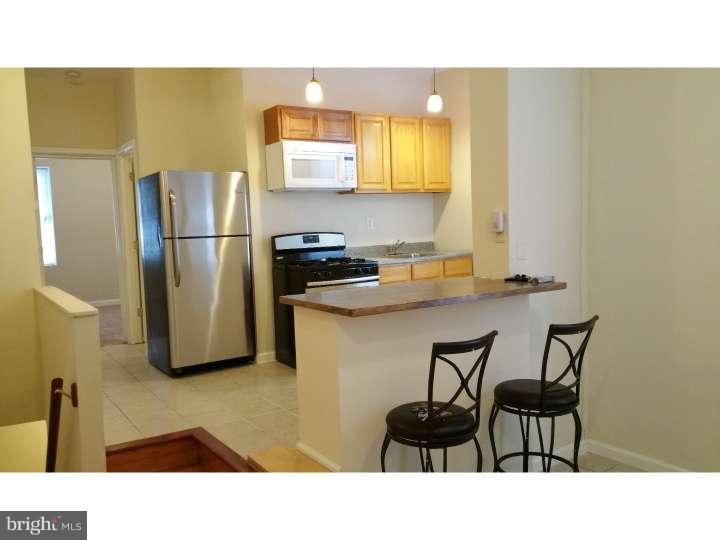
(103, 303)
(628, 457)
(317, 456)
(265, 357)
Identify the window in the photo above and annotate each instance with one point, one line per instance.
(47, 221)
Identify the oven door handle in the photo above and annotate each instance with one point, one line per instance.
(363, 279)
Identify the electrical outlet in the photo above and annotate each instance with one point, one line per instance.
(370, 221)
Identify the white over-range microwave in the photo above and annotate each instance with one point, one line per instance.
(310, 166)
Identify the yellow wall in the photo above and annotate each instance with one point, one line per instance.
(489, 141)
(68, 116)
(19, 257)
(175, 120)
(453, 211)
(125, 118)
(227, 104)
(653, 263)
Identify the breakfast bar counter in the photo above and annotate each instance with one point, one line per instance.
(360, 302)
(362, 351)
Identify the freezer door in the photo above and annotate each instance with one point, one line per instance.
(204, 203)
(210, 306)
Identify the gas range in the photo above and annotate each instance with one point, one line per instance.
(310, 262)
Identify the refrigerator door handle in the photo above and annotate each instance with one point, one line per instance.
(174, 241)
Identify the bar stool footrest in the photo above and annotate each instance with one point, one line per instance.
(544, 455)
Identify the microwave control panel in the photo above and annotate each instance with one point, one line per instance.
(349, 164)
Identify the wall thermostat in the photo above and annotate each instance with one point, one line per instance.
(498, 221)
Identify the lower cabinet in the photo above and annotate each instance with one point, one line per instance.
(396, 273)
(427, 270)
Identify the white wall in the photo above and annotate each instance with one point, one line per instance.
(82, 191)
(405, 216)
(545, 193)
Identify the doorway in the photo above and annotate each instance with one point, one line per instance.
(79, 234)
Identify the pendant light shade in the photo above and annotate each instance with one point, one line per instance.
(313, 90)
(434, 100)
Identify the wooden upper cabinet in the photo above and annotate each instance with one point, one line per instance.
(335, 126)
(436, 154)
(305, 123)
(299, 123)
(372, 139)
(406, 153)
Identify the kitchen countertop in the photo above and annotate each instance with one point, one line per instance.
(363, 301)
(379, 253)
(439, 256)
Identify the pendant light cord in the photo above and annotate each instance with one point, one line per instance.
(434, 90)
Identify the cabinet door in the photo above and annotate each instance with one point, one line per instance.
(335, 126)
(406, 153)
(394, 273)
(427, 270)
(462, 266)
(299, 123)
(372, 138)
(436, 154)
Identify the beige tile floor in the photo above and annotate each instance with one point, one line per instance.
(248, 407)
(595, 463)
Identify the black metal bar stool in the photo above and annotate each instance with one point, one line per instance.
(443, 424)
(544, 399)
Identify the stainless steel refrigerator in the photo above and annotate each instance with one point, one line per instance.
(195, 246)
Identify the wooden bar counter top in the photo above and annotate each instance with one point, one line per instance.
(364, 301)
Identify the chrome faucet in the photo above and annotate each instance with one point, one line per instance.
(395, 248)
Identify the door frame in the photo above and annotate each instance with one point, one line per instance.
(125, 222)
(134, 316)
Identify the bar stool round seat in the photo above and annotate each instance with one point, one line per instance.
(526, 394)
(445, 424)
(409, 422)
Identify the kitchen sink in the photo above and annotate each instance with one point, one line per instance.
(411, 255)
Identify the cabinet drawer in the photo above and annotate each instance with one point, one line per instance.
(458, 267)
(427, 270)
(394, 273)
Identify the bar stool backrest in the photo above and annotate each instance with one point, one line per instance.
(575, 358)
(439, 352)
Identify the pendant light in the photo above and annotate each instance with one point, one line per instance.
(313, 90)
(434, 101)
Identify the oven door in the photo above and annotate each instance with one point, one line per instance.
(365, 281)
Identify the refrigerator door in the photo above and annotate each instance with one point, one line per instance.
(204, 203)
(210, 307)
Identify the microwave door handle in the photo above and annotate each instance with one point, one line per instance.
(174, 244)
